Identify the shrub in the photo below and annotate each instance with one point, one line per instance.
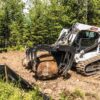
(11, 92)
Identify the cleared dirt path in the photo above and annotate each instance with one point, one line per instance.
(53, 87)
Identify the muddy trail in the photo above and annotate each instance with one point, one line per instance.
(54, 87)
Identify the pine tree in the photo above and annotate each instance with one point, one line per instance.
(13, 21)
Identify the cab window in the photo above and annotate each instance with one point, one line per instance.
(85, 39)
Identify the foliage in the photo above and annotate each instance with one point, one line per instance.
(45, 19)
(11, 92)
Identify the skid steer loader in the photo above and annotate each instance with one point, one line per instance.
(78, 46)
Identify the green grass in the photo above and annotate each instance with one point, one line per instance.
(11, 92)
(14, 48)
(77, 94)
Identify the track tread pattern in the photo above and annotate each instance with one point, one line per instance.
(81, 66)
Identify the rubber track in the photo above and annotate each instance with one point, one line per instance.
(80, 67)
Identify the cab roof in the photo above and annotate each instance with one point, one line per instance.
(81, 26)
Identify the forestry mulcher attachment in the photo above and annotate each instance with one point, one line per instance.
(78, 46)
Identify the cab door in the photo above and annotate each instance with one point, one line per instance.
(85, 39)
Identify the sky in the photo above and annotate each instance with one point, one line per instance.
(26, 6)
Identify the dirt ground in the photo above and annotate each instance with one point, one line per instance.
(53, 87)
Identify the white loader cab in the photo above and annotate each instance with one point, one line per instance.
(86, 40)
(82, 37)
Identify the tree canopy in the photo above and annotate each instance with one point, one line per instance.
(45, 19)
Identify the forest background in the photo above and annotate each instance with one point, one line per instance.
(44, 19)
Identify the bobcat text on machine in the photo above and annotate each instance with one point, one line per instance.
(78, 46)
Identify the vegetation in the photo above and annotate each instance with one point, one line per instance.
(44, 20)
(78, 94)
(11, 92)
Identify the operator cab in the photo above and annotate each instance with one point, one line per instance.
(84, 39)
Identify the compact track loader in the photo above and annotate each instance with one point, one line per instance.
(78, 47)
